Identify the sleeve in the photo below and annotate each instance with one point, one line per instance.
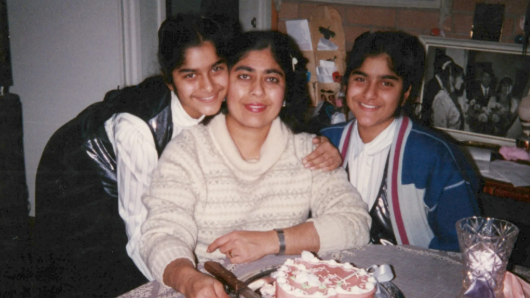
(440, 111)
(340, 216)
(514, 106)
(170, 231)
(136, 158)
(453, 190)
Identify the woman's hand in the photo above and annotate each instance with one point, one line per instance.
(325, 157)
(182, 276)
(246, 246)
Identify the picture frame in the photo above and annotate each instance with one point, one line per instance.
(389, 3)
(488, 116)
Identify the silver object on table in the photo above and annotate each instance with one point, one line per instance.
(228, 278)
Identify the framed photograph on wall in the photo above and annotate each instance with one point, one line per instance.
(472, 89)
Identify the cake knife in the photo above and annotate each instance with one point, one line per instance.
(230, 279)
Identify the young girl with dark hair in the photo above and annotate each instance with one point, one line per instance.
(96, 167)
(237, 187)
(416, 184)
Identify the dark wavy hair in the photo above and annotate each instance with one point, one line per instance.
(184, 31)
(452, 70)
(406, 53)
(296, 112)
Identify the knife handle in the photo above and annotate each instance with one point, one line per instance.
(224, 275)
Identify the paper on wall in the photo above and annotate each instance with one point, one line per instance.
(326, 45)
(325, 71)
(299, 30)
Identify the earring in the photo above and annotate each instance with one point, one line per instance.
(224, 99)
(283, 104)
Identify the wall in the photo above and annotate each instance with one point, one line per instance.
(65, 56)
(358, 19)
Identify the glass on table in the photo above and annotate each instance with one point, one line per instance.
(486, 245)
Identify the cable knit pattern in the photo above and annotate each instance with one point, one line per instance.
(203, 189)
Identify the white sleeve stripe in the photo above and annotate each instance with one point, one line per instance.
(454, 185)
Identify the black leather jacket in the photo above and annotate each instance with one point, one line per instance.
(80, 238)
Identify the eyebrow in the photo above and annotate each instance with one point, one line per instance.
(220, 61)
(250, 69)
(386, 77)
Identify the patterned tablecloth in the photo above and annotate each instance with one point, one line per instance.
(419, 273)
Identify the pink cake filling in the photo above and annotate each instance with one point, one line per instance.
(311, 277)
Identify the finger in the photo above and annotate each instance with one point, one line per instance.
(220, 290)
(218, 243)
(308, 161)
(323, 140)
(237, 260)
(319, 162)
(230, 253)
(331, 167)
(318, 141)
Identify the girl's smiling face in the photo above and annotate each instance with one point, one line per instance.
(374, 93)
(201, 82)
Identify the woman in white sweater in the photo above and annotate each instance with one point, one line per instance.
(237, 186)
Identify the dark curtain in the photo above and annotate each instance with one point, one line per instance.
(14, 217)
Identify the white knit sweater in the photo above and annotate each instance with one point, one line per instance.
(203, 189)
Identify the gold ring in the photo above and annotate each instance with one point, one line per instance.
(230, 254)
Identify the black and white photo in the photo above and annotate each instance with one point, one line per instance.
(473, 88)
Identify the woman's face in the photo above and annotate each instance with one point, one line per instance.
(506, 88)
(374, 93)
(458, 81)
(201, 82)
(256, 91)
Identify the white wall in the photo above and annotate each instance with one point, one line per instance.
(65, 56)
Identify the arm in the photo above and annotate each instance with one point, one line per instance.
(182, 276)
(337, 207)
(248, 246)
(170, 231)
(136, 158)
(454, 198)
(440, 111)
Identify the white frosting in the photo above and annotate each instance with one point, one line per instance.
(268, 290)
(307, 277)
(258, 284)
(310, 279)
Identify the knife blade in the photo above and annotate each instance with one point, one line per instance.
(227, 277)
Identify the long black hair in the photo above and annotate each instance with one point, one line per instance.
(286, 53)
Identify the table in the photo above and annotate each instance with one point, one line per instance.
(419, 273)
(506, 190)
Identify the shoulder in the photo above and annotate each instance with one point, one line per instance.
(144, 100)
(334, 132)
(303, 143)
(336, 128)
(426, 144)
(188, 142)
(441, 94)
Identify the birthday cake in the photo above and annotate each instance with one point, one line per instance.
(310, 277)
